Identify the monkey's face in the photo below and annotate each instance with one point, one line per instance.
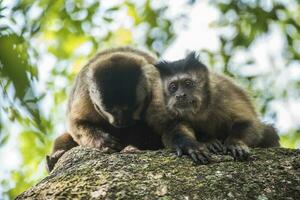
(184, 93)
(118, 94)
(186, 85)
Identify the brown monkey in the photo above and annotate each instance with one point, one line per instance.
(208, 107)
(61, 144)
(109, 101)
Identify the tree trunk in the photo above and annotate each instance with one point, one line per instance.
(84, 173)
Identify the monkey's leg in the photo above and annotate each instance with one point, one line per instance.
(61, 144)
(244, 134)
(270, 137)
(182, 139)
(91, 135)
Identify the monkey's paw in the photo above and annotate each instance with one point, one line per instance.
(197, 151)
(215, 146)
(111, 142)
(238, 151)
(52, 160)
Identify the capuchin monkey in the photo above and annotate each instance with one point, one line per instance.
(109, 102)
(208, 108)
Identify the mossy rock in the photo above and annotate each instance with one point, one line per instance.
(85, 173)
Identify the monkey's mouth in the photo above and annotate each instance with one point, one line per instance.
(185, 104)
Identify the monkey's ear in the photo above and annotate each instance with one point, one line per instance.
(163, 67)
(192, 61)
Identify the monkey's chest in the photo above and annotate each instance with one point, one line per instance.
(210, 129)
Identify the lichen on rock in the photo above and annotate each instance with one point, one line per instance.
(85, 173)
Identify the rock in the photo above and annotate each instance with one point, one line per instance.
(85, 173)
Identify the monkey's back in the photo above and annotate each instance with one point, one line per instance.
(229, 103)
(81, 108)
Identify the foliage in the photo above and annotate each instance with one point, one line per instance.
(242, 25)
(47, 42)
(58, 31)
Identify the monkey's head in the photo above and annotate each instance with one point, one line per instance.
(118, 88)
(185, 84)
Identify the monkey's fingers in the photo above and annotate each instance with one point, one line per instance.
(199, 156)
(218, 146)
(212, 148)
(232, 151)
(194, 157)
(239, 152)
(225, 150)
(215, 147)
(179, 152)
(206, 155)
(112, 142)
(115, 145)
(243, 153)
(203, 159)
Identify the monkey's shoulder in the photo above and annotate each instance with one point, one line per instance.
(229, 96)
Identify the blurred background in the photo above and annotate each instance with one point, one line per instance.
(44, 43)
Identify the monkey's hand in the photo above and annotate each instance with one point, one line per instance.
(197, 151)
(215, 146)
(108, 143)
(52, 159)
(238, 150)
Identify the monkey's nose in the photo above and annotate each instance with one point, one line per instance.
(181, 97)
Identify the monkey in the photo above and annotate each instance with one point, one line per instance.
(210, 108)
(108, 104)
(61, 144)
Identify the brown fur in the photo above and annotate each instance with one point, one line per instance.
(230, 115)
(226, 114)
(62, 144)
(83, 117)
(231, 118)
(90, 127)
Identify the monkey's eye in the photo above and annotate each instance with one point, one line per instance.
(172, 87)
(189, 83)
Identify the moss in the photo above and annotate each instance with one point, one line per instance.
(84, 173)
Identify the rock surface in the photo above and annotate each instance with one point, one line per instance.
(84, 173)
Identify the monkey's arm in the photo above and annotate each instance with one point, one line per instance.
(243, 134)
(244, 127)
(181, 138)
(250, 133)
(62, 144)
(247, 130)
(91, 134)
(87, 125)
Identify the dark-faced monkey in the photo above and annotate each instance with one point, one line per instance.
(108, 104)
(209, 108)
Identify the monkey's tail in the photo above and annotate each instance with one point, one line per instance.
(270, 137)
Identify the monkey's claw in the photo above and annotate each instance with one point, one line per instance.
(197, 151)
(215, 146)
(238, 152)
